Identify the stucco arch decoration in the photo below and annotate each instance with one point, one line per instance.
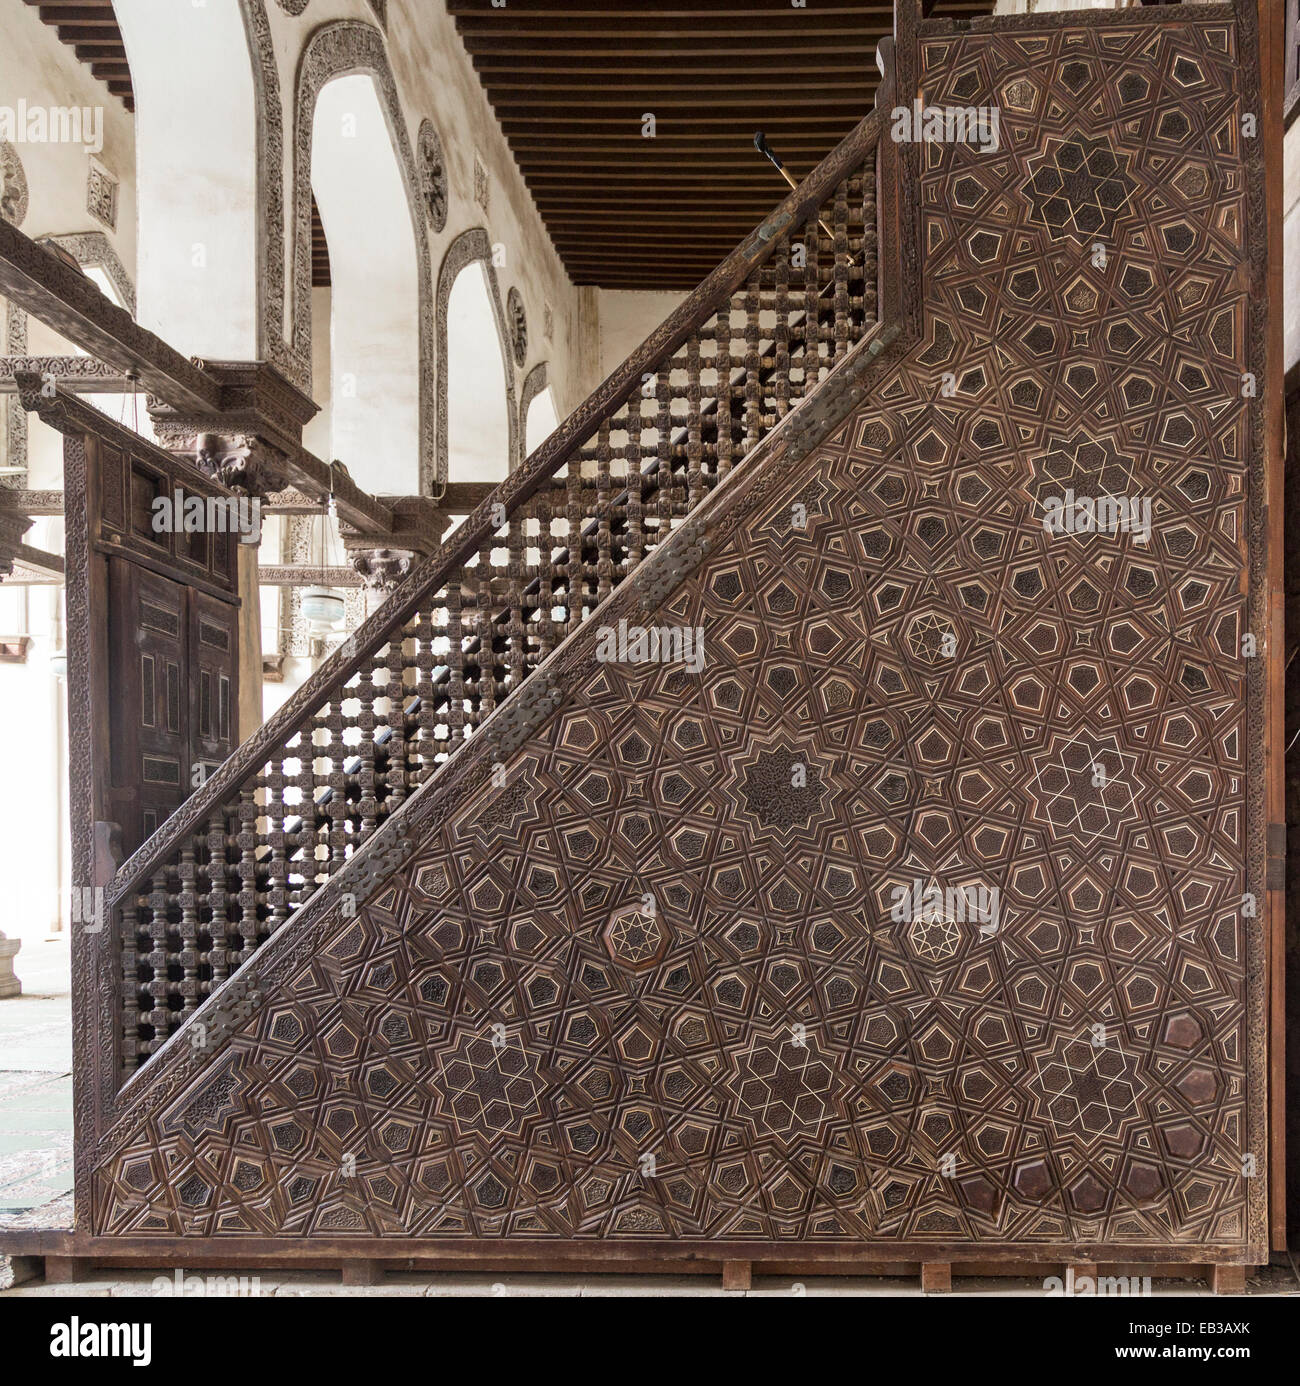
(471, 246)
(342, 49)
(534, 383)
(273, 343)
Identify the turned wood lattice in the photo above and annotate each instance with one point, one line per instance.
(460, 637)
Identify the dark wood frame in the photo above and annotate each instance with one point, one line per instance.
(900, 227)
(91, 538)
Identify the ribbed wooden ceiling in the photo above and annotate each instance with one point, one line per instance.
(89, 28)
(570, 81)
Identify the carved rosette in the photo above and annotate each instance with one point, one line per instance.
(432, 167)
(13, 185)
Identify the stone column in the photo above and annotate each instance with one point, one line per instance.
(9, 982)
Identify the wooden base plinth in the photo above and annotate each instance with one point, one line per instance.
(362, 1272)
(69, 1256)
(936, 1277)
(1228, 1280)
(66, 1270)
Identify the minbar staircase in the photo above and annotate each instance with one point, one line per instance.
(364, 997)
(460, 638)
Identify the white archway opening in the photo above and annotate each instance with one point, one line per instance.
(196, 175)
(375, 288)
(543, 419)
(478, 412)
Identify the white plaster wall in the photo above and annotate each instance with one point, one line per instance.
(375, 302)
(627, 318)
(196, 170)
(36, 67)
(436, 79)
(541, 422)
(34, 834)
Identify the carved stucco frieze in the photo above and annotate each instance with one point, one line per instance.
(534, 383)
(517, 320)
(270, 184)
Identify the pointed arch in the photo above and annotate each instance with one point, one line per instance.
(536, 392)
(336, 50)
(471, 247)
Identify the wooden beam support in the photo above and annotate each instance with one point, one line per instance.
(1228, 1280)
(66, 1270)
(936, 1277)
(43, 285)
(737, 1275)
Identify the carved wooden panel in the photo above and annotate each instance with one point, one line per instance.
(651, 983)
(148, 699)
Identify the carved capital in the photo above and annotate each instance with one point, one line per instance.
(241, 461)
(382, 569)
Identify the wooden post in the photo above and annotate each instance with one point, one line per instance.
(1228, 1280)
(362, 1272)
(1079, 1270)
(66, 1270)
(737, 1275)
(936, 1277)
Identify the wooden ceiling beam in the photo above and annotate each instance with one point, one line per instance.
(654, 87)
(478, 33)
(102, 33)
(76, 16)
(839, 60)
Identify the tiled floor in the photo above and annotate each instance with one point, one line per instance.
(36, 1084)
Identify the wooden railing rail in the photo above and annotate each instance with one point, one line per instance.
(463, 631)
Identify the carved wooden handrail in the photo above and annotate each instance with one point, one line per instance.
(462, 633)
(542, 464)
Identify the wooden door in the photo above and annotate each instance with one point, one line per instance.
(173, 651)
(149, 653)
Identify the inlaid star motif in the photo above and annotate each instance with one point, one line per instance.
(1080, 187)
(1086, 1089)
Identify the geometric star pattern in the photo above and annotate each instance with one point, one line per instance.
(1079, 187)
(1119, 901)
